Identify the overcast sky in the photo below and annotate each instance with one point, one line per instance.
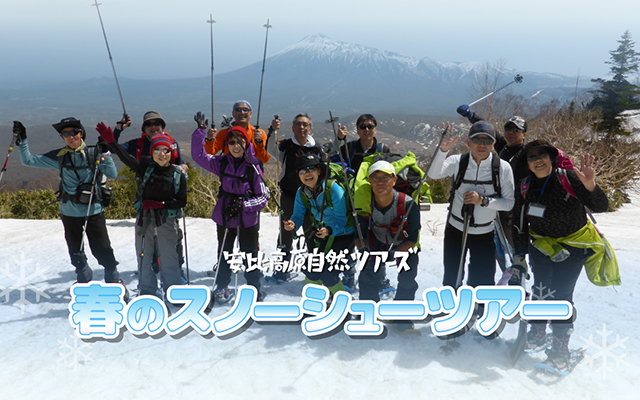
(164, 39)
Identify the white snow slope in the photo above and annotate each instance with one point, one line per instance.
(41, 358)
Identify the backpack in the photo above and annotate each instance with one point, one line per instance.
(458, 179)
(177, 171)
(102, 193)
(336, 175)
(248, 177)
(408, 173)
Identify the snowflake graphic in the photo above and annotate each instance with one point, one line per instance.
(75, 350)
(605, 351)
(541, 296)
(22, 282)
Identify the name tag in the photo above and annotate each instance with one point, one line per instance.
(536, 210)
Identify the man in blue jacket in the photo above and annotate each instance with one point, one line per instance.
(76, 163)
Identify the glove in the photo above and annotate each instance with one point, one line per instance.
(464, 111)
(105, 132)
(102, 146)
(234, 208)
(199, 118)
(518, 271)
(149, 204)
(20, 132)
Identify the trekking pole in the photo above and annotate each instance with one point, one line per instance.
(503, 238)
(186, 253)
(93, 189)
(4, 167)
(216, 267)
(517, 79)
(211, 22)
(333, 121)
(467, 210)
(264, 59)
(417, 195)
(124, 111)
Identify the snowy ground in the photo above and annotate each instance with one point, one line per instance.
(40, 357)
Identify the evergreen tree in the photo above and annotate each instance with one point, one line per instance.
(618, 94)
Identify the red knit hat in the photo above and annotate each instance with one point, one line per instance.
(161, 139)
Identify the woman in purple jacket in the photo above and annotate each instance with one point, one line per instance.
(241, 196)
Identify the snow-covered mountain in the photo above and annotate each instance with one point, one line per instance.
(313, 75)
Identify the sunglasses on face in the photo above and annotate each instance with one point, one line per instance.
(479, 140)
(384, 178)
(307, 169)
(302, 124)
(153, 123)
(540, 155)
(513, 129)
(365, 127)
(241, 109)
(161, 151)
(234, 142)
(71, 133)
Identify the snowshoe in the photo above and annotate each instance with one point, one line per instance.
(280, 277)
(386, 290)
(223, 295)
(561, 365)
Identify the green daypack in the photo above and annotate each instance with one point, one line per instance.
(407, 171)
(335, 175)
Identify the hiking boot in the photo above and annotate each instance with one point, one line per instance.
(84, 274)
(558, 356)
(223, 295)
(536, 338)
(349, 281)
(282, 276)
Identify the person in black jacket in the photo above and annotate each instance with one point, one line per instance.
(161, 197)
(547, 216)
(354, 151)
(288, 152)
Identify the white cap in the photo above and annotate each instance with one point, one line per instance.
(383, 166)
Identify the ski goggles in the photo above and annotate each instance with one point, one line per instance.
(538, 156)
(365, 127)
(67, 134)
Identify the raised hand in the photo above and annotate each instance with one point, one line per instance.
(105, 132)
(200, 120)
(20, 132)
(587, 171)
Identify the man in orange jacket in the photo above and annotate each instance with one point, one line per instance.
(215, 142)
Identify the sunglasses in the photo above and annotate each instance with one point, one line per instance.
(70, 133)
(153, 123)
(533, 157)
(484, 141)
(302, 124)
(384, 178)
(234, 142)
(369, 127)
(303, 171)
(241, 109)
(161, 151)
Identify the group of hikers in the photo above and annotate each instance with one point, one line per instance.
(529, 191)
